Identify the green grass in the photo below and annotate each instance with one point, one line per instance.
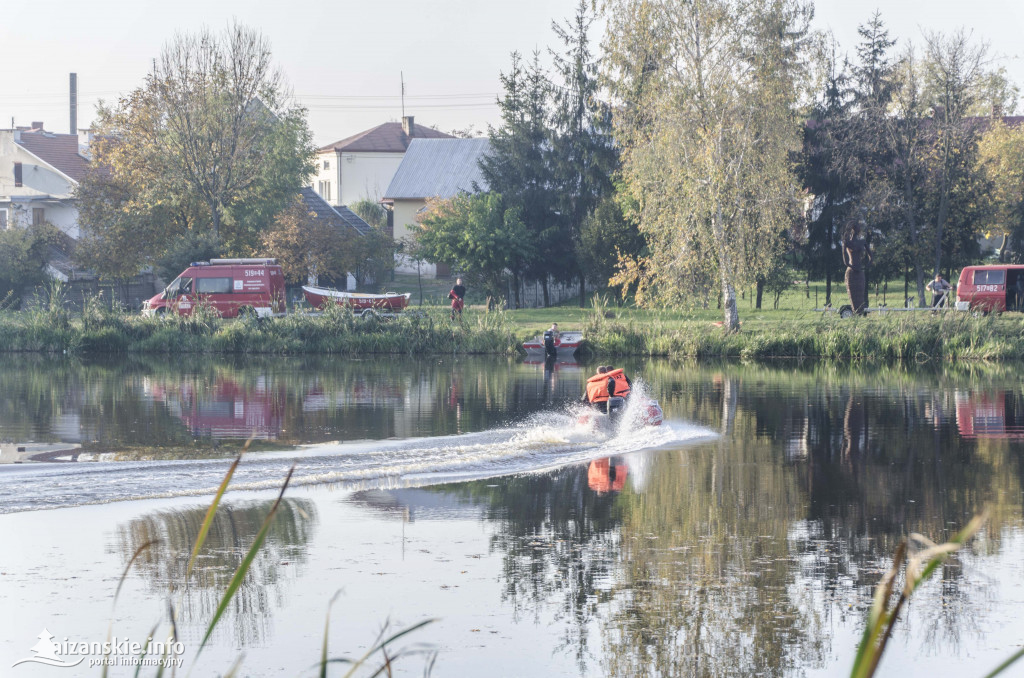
(608, 329)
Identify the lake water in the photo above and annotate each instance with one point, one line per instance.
(742, 537)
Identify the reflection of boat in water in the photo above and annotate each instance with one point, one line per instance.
(566, 344)
(318, 297)
(606, 475)
(558, 364)
(990, 415)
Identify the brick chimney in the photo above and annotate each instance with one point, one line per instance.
(408, 126)
(37, 126)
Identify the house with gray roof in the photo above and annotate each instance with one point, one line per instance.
(360, 167)
(432, 169)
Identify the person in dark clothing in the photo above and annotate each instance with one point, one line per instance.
(619, 375)
(550, 337)
(458, 296)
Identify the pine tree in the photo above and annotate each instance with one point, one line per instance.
(584, 158)
(825, 174)
(517, 167)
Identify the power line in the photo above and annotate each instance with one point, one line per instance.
(354, 107)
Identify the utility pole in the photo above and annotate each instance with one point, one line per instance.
(402, 76)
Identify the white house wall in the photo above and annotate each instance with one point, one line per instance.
(367, 175)
(42, 186)
(331, 174)
(355, 176)
(404, 214)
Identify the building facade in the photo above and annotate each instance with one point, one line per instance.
(360, 167)
(431, 169)
(39, 171)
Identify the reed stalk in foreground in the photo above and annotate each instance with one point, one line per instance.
(923, 559)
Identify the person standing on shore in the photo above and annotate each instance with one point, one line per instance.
(939, 288)
(550, 337)
(458, 296)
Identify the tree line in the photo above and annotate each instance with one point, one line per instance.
(699, 149)
(722, 145)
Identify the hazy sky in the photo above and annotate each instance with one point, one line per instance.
(343, 58)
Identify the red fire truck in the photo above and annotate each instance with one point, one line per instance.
(232, 287)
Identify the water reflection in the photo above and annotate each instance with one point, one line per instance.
(742, 556)
(737, 557)
(607, 475)
(202, 407)
(235, 525)
(998, 414)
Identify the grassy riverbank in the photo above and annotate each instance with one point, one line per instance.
(905, 337)
(337, 331)
(608, 331)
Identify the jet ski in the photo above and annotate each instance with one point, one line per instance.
(648, 413)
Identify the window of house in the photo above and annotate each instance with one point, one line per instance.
(3, 220)
(989, 277)
(38, 215)
(325, 190)
(213, 285)
(327, 164)
(17, 174)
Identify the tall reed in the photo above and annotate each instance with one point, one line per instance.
(917, 557)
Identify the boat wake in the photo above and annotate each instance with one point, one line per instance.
(539, 443)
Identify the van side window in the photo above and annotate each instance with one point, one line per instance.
(186, 286)
(213, 285)
(997, 277)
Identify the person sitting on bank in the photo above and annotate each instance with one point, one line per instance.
(607, 383)
(939, 289)
(550, 337)
(458, 297)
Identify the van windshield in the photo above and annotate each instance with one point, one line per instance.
(178, 286)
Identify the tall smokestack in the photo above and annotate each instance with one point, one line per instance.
(74, 103)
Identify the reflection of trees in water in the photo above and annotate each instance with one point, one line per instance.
(876, 456)
(234, 528)
(734, 557)
(707, 586)
(558, 541)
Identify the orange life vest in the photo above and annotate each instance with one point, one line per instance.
(597, 386)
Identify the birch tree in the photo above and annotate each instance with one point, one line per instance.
(1001, 161)
(710, 163)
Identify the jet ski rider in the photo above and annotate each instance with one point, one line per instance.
(609, 382)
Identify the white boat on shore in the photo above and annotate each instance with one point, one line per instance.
(566, 344)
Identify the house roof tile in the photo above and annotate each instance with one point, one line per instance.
(386, 138)
(341, 218)
(58, 150)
